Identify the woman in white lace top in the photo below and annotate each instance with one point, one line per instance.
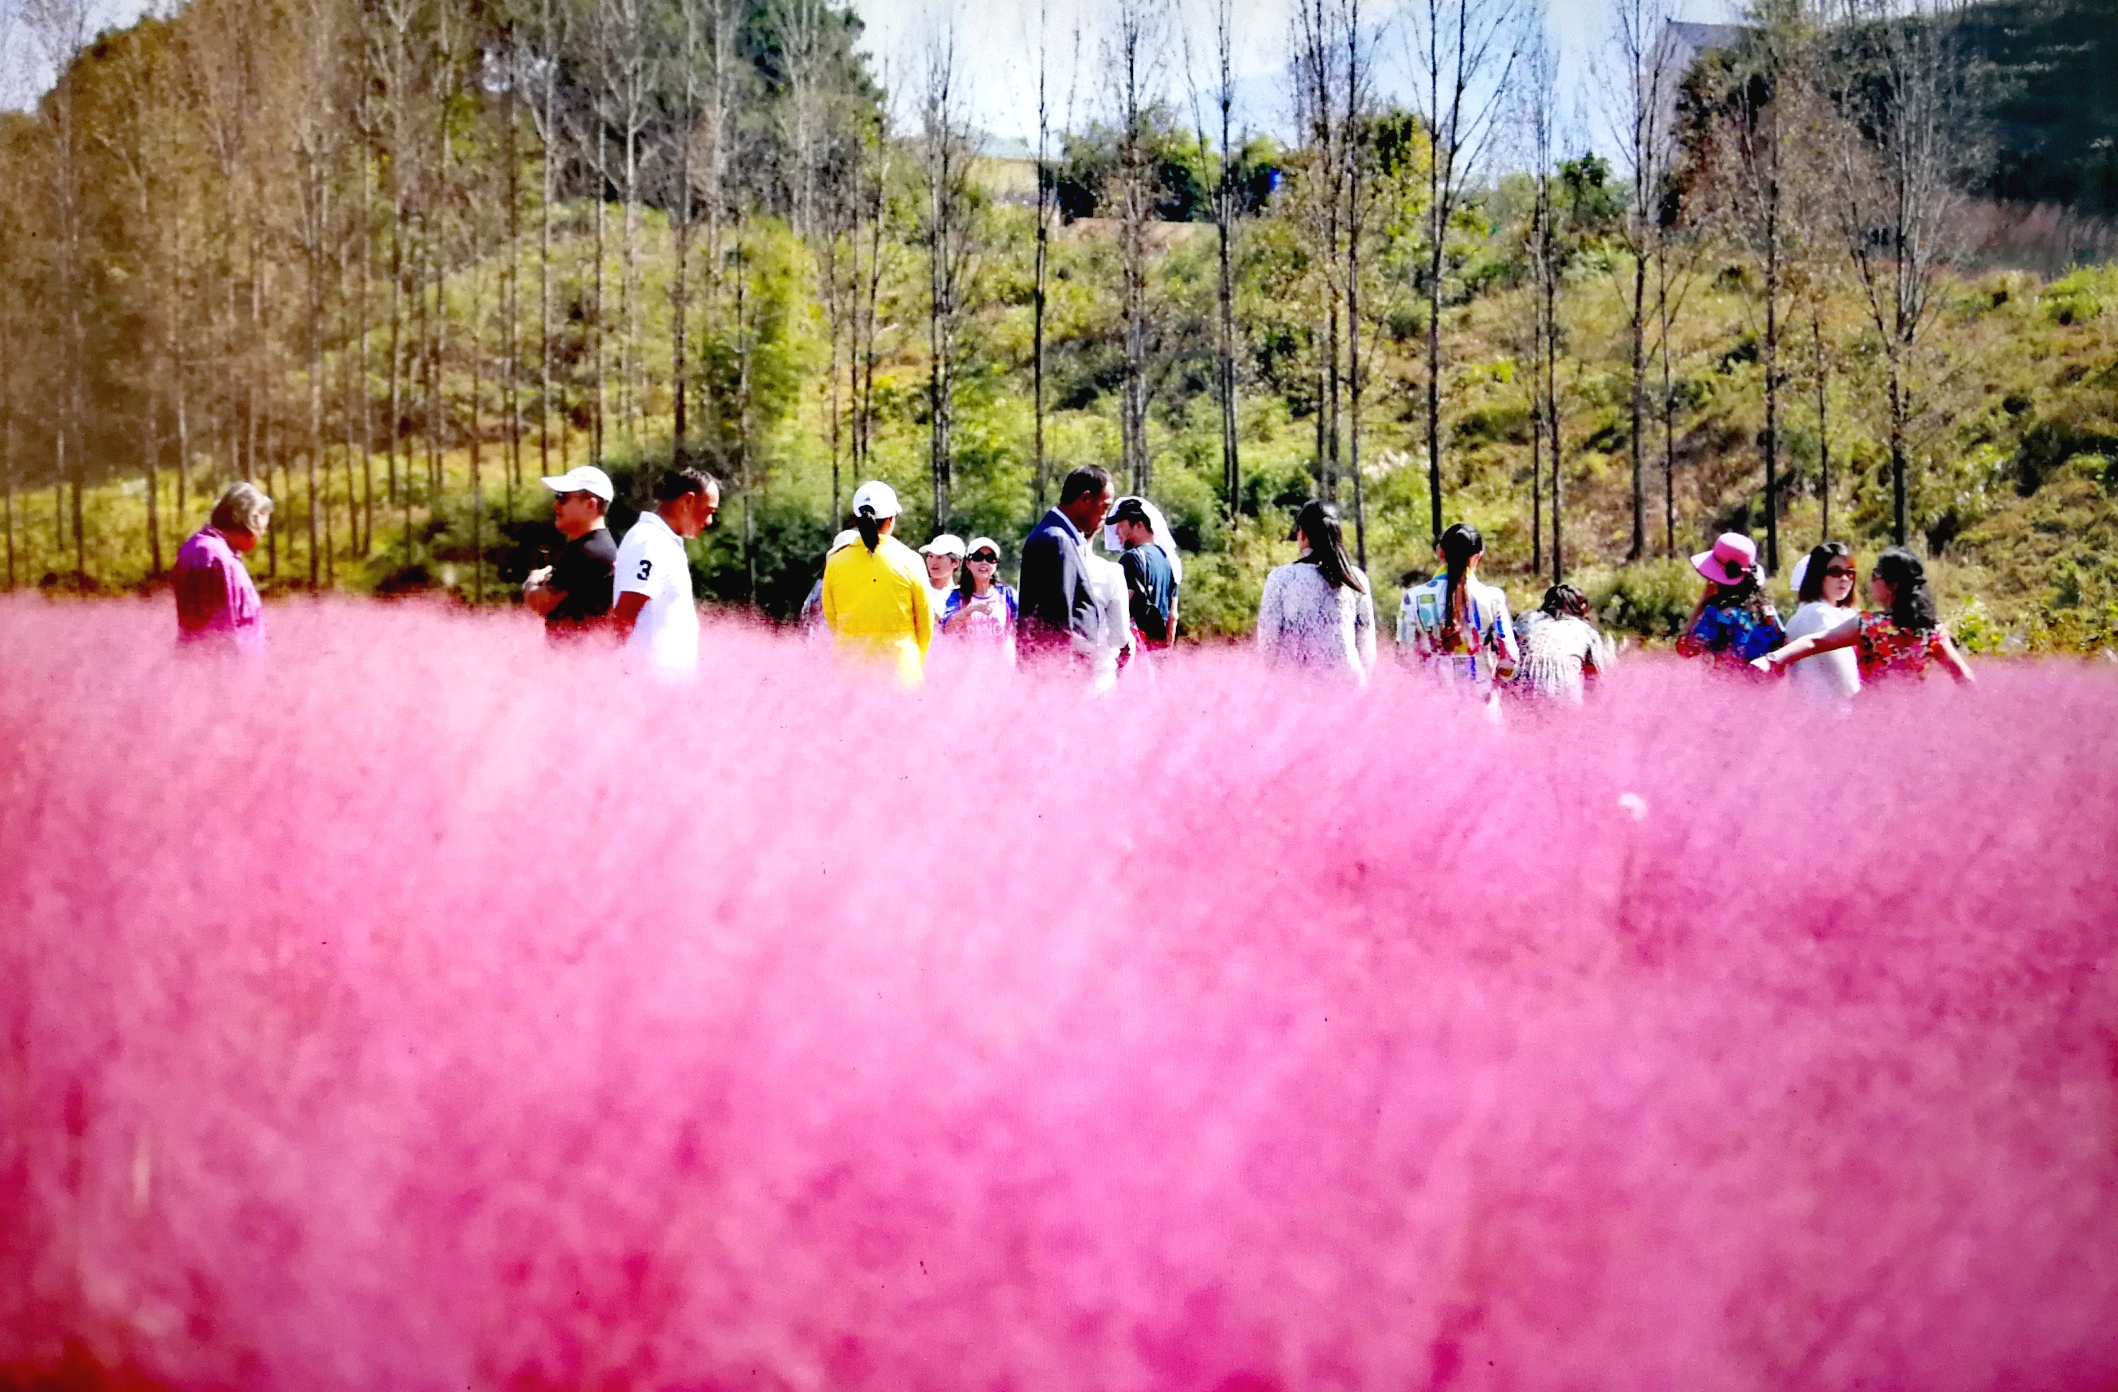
(1317, 614)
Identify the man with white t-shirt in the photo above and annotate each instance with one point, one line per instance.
(654, 616)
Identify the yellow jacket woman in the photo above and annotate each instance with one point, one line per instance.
(875, 589)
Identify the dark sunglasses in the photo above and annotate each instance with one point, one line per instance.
(1838, 572)
(986, 557)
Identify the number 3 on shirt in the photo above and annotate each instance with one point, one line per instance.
(645, 566)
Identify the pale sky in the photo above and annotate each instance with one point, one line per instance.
(996, 44)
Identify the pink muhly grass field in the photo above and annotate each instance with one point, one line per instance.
(416, 1008)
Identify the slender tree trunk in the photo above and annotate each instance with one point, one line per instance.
(1434, 396)
(1823, 427)
(1669, 412)
(511, 305)
(1551, 413)
(596, 353)
(1772, 413)
(1353, 368)
(1040, 481)
(1900, 508)
(150, 446)
(1224, 345)
(680, 302)
(1328, 466)
(1636, 404)
(474, 349)
(7, 446)
(362, 540)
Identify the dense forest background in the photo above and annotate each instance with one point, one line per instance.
(1835, 271)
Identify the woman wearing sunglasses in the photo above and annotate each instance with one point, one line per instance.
(1903, 639)
(981, 608)
(1824, 583)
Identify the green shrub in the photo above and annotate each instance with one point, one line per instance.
(2078, 298)
(1651, 599)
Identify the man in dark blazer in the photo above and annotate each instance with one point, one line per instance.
(1058, 613)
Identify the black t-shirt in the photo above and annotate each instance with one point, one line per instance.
(582, 576)
(1152, 589)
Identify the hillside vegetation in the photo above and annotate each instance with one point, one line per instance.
(391, 247)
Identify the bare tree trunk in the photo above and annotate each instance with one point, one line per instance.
(547, 140)
(1039, 485)
(1823, 422)
(511, 303)
(362, 541)
(1355, 145)
(1772, 405)
(1224, 223)
(1133, 64)
(1466, 55)
(475, 349)
(945, 153)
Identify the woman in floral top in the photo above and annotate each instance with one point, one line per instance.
(1902, 640)
(1733, 623)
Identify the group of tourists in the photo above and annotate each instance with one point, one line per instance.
(1831, 647)
(1318, 615)
(1109, 615)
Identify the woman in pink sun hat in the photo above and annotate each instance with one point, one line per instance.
(1733, 623)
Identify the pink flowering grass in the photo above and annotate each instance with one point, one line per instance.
(417, 1008)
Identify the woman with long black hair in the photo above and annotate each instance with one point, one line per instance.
(1317, 614)
(1903, 639)
(1455, 626)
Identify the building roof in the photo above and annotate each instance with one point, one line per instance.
(1701, 37)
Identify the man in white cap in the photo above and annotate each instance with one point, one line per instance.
(573, 593)
(944, 558)
(654, 613)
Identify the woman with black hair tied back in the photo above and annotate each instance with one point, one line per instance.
(1456, 626)
(1563, 649)
(1901, 640)
(1317, 614)
(875, 588)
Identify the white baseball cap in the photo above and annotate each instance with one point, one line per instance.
(947, 544)
(585, 479)
(877, 497)
(979, 544)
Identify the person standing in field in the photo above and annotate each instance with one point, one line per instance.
(654, 613)
(574, 594)
(1900, 642)
(1733, 623)
(1317, 614)
(216, 601)
(1150, 581)
(1455, 626)
(982, 610)
(944, 561)
(1824, 582)
(1562, 651)
(1060, 616)
(875, 589)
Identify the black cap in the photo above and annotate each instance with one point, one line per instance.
(1130, 510)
